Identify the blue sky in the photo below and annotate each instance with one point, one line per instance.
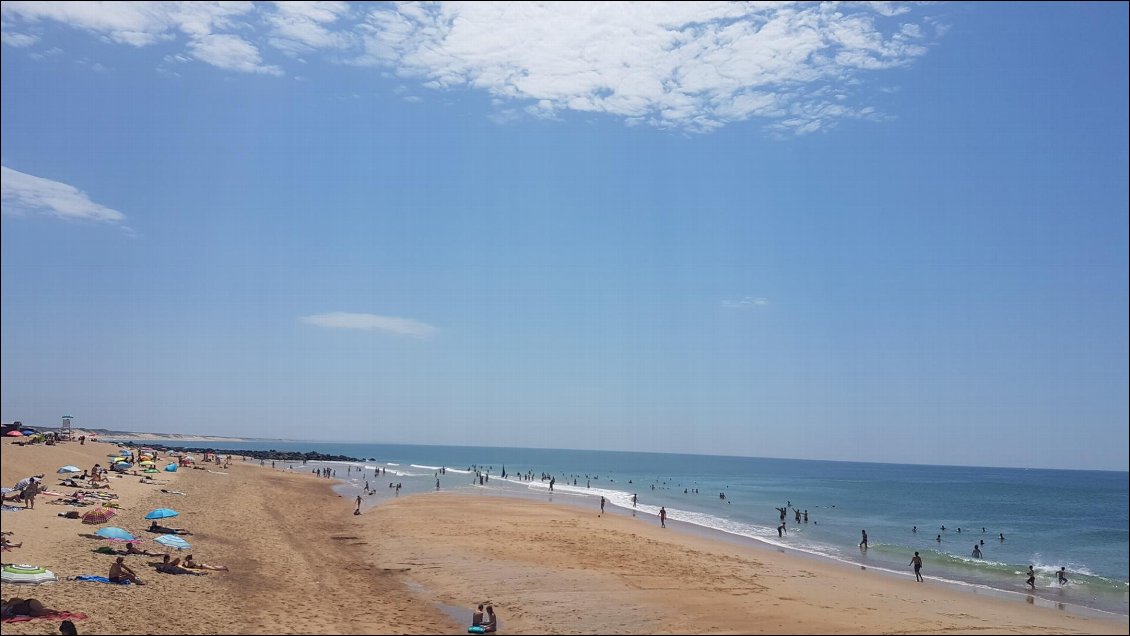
(877, 232)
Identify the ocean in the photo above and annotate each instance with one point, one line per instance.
(1048, 518)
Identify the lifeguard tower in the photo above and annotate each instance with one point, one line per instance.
(65, 429)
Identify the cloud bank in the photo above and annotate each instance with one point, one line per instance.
(748, 302)
(372, 322)
(22, 193)
(799, 67)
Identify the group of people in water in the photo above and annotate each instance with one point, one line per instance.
(916, 561)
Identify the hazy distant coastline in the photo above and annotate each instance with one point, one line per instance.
(134, 435)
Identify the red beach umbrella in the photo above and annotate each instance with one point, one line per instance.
(98, 515)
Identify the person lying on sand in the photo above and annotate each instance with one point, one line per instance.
(193, 565)
(132, 549)
(17, 606)
(167, 530)
(172, 566)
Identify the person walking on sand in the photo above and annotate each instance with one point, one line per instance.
(1031, 577)
(662, 517)
(917, 563)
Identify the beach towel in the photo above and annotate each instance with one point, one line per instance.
(56, 616)
(98, 579)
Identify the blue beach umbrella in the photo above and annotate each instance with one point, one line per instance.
(114, 533)
(161, 513)
(173, 541)
(171, 468)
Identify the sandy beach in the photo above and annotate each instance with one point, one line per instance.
(302, 563)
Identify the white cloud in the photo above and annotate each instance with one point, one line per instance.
(748, 302)
(696, 66)
(372, 322)
(17, 40)
(799, 67)
(232, 53)
(22, 193)
(300, 27)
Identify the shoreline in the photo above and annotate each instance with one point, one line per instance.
(418, 563)
(582, 503)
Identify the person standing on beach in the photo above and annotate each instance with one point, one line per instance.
(662, 517)
(358, 510)
(1031, 577)
(602, 505)
(634, 500)
(917, 563)
(437, 485)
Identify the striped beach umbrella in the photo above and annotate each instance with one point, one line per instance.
(173, 541)
(98, 515)
(26, 575)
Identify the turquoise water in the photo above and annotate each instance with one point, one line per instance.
(1049, 518)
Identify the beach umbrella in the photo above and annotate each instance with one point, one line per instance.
(98, 515)
(122, 465)
(171, 468)
(29, 431)
(173, 541)
(115, 533)
(161, 513)
(69, 469)
(14, 434)
(146, 462)
(27, 575)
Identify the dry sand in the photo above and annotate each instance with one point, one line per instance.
(303, 564)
